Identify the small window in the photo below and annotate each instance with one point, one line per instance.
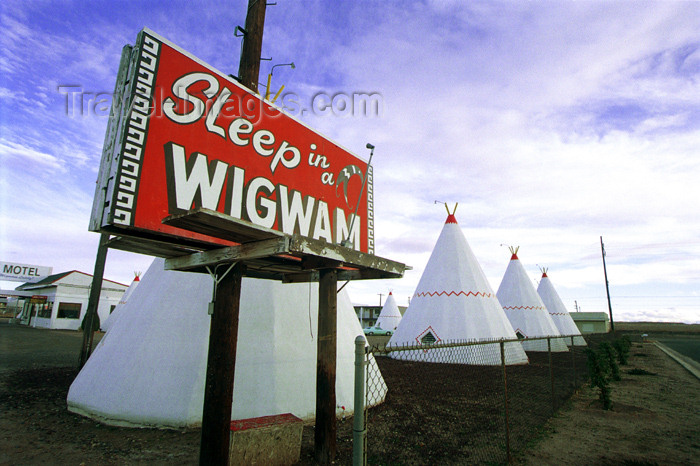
(519, 335)
(428, 339)
(69, 310)
(44, 310)
(111, 309)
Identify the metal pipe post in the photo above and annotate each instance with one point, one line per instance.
(359, 431)
(551, 372)
(573, 359)
(505, 400)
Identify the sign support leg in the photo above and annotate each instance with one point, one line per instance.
(221, 366)
(326, 428)
(93, 300)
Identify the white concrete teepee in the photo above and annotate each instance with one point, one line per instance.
(561, 317)
(114, 315)
(524, 308)
(454, 302)
(390, 316)
(149, 368)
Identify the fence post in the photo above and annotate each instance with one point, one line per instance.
(573, 360)
(551, 372)
(505, 400)
(359, 431)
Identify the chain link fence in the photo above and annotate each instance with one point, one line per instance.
(463, 402)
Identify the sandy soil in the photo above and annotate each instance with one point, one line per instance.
(655, 419)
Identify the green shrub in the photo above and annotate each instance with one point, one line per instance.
(95, 323)
(599, 371)
(622, 346)
(609, 356)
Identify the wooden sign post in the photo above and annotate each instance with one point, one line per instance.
(221, 367)
(325, 433)
(271, 254)
(200, 170)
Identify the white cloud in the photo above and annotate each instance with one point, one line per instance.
(550, 123)
(10, 150)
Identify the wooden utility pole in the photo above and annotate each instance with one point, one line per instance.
(607, 286)
(93, 300)
(326, 430)
(221, 366)
(249, 66)
(223, 334)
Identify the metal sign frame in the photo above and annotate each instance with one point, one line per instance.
(182, 135)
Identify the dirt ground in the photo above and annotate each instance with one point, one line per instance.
(655, 419)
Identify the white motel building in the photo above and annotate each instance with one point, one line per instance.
(60, 301)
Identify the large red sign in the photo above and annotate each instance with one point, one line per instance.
(192, 137)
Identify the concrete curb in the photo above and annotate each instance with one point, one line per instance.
(692, 366)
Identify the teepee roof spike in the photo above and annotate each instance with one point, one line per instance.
(514, 250)
(447, 208)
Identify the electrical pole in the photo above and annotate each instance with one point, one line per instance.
(607, 287)
(249, 66)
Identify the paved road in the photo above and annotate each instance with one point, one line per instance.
(23, 347)
(687, 346)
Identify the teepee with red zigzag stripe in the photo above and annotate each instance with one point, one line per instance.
(561, 317)
(524, 308)
(454, 302)
(390, 316)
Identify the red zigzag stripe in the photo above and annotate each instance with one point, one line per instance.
(522, 307)
(453, 293)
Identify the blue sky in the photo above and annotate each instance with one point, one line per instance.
(550, 123)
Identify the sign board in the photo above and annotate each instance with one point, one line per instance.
(184, 135)
(38, 299)
(15, 272)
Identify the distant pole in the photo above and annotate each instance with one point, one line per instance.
(380, 298)
(249, 66)
(93, 300)
(607, 287)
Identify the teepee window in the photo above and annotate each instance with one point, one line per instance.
(519, 335)
(428, 339)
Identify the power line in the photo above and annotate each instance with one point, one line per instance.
(640, 296)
